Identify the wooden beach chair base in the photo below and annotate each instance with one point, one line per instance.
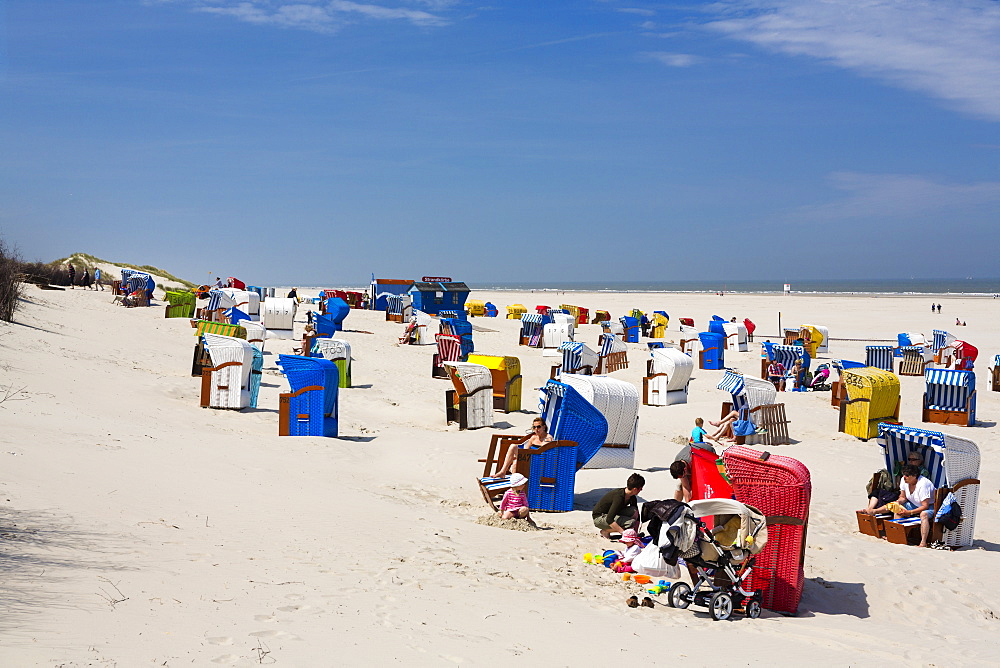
(872, 525)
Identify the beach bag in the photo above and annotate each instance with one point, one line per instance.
(743, 426)
(650, 562)
(950, 514)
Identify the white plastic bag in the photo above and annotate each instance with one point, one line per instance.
(649, 562)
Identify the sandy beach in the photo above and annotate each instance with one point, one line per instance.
(139, 529)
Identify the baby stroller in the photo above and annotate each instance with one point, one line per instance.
(820, 379)
(723, 557)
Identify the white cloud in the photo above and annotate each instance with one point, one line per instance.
(899, 195)
(945, 49)
(323, 15)
(672, 59)
(636, 10)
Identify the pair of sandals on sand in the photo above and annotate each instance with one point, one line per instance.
(633, 602)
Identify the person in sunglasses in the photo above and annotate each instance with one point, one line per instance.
(539, 436)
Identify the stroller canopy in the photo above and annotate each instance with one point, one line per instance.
(750, 534)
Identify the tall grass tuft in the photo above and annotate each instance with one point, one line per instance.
(10, 281)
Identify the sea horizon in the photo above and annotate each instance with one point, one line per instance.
(966, 287)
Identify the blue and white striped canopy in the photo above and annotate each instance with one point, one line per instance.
(733, 383)
(941, 339)
(879, 357)
(607, 344)
(214, 299)
(896, 441)
(951, 377)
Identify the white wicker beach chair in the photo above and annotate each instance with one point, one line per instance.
(555, 334)
(279, 317)
(668, 374)
(424, 335)
(339, 351)
(256, 333)
(618, 402)
(226, 384)
(736, 336)
(951, 461)
(470, 404)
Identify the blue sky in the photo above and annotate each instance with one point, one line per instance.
(318, 142)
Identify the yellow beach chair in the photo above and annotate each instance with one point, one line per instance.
(515, 311)
(872, 396)
(506, 372)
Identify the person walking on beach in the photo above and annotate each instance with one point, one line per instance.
(85, 281)
(97, 279)
(72, 277)
(939, 307)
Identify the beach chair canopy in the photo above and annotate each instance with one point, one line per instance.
(910, 339)
(747, 392)
(942, 339)
(879, 357)
(618, 402)
(786, 355)
(577, 356)
(677, 365)
(572, 418)
(232, 388)
(611, 344)
(304, 372)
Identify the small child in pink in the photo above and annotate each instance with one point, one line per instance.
(631, 538)
(515, 501)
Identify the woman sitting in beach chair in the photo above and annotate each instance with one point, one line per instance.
(916, 496)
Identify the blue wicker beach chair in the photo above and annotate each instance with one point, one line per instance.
(950, 397)
(630, 326)
(712, 353)
(256, 371)
(579, 429)
(879, 357)
(311, 408)
(336, 310)
(953, 465)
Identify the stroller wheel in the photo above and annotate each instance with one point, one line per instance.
(721, 606)
(753, 609)
(678, 596)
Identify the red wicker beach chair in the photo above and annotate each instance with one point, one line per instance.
(779, 487)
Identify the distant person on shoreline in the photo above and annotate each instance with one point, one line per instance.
(939, 308)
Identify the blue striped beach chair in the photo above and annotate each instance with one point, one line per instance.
(532, 328)
(579, 430)
(953, 466)
(311, 408)
(942, 347)
(950, 397)
(879, 357)
(577, 358)
(755, 399)
(613, 354)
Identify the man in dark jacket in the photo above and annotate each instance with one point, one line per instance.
(619, 509)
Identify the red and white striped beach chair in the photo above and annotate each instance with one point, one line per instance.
(449, 350)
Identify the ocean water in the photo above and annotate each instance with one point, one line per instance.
(912, 286)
